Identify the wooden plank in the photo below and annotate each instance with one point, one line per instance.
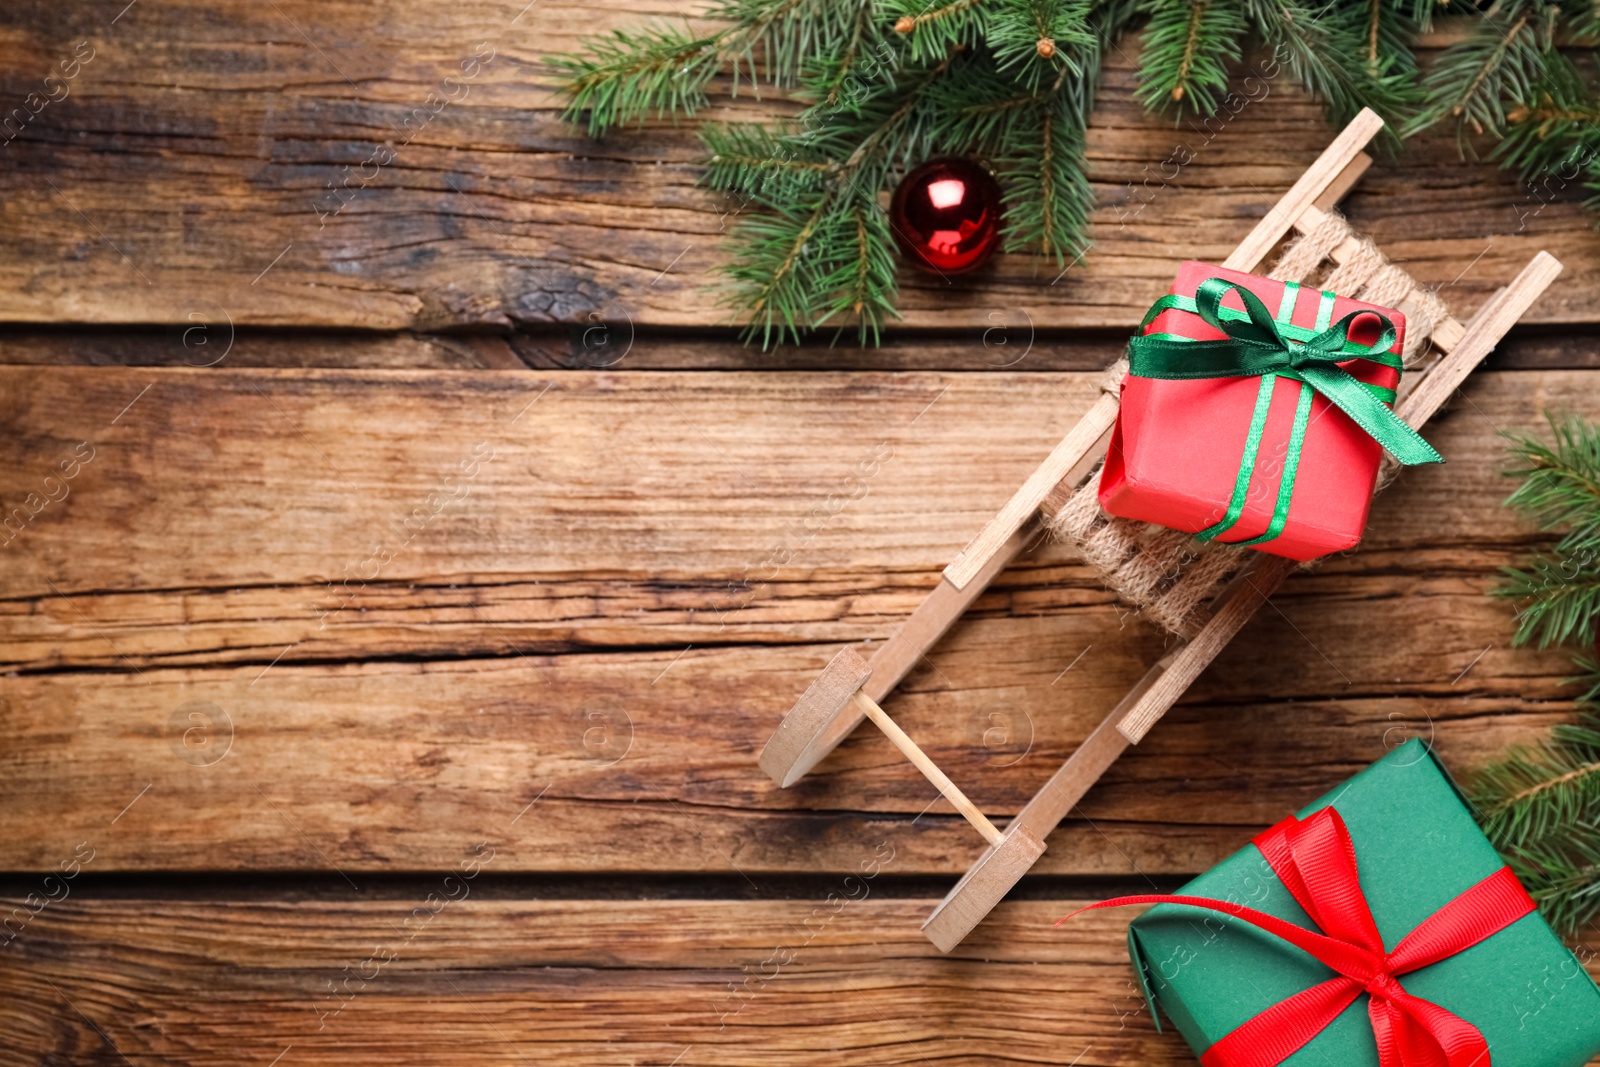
(379, 766)
(214, 342)
(980, 890)
(222, 515)
(894, 658)
(796, 746)
(1087, 765)
(651, 470)
(1341, 185)
(844, 976)
(538, 633)
(232, 160)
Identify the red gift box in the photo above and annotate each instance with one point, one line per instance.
(1177, 447)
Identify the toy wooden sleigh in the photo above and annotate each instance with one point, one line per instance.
(1203, 596)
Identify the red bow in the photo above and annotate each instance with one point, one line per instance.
(1317, 862)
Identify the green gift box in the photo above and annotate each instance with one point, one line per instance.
(1418, 850)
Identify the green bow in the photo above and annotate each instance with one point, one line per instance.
(1257, 345)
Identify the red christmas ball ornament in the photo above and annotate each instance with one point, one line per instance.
(946, 215)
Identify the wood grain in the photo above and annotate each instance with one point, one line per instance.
(627, 763)
(1024, 503)
(566, 635)
(1173, 676)
(842, 977)
(944, 606)
(1324, 173)
(232, 161)
(896, 655)
(930, 770)
(1496, 316)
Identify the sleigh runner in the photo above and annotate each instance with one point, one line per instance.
(1202, 595)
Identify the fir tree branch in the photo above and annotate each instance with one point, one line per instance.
(1563, 878)
(1546, 118)
(1560, 600)
(827, 250)
(1039, 37)
(1038, 41)
(865, 282)
(1047, 189)
(1187, 51)
(1558, 590)
(1374, 24)
(833, 84)
(1021, 100)
(1488, 66)
(1540, 806)
(1561, 481)
(629, 75)
(860, 292)
(786, 268)
(762, 166)
(1501, 61)
(1046, 194)
(792, 35)
(1583, 20)
(1107, 21)
(1554, 133)
(951, 12)
(1390, 32)
(632, 75)
(1538, 789)
(1421, 12)
(1324, 55)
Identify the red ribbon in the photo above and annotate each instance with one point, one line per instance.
(1317, 862)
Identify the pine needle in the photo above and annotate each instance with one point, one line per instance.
(1540, 806)
(631, 75)
(1187, 49)
(1046, 195)
(1543, 790)
(1474, 83)
(1558, 590)
(1323, 47)
(1553, 133)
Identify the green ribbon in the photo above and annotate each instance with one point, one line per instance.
(1257, 345)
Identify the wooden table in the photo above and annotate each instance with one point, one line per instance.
(385, 684)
